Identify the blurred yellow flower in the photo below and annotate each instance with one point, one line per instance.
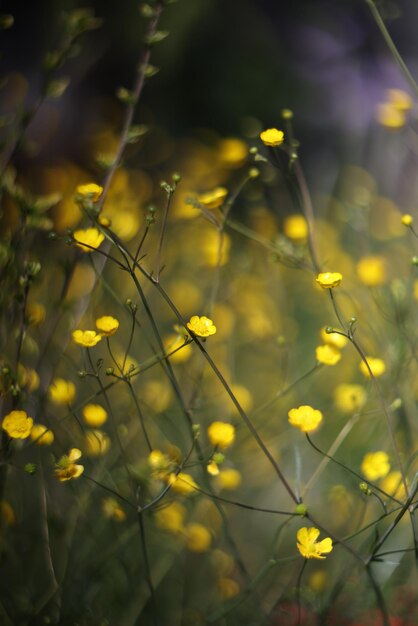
(390, 116)
(305, 418)
(171, 517)
(42, 435)
(333, 339)
(160, 463)
(400, 99)
(182, 483)
(94, 415)
(376, 365)
(212, 468)
(232, 152)
(17, 424)
(157, 394)
(61, 391)
(221, 434)
(407, 219)
(7, 514)
(88, 238)
(295, 228)
(309, 547)
(201, 326)
(375, 465)
(392, 484)
(86, 338)
(318, 581)
(349, 398)
(228, 588)
(96, 443)
(90, 190)
(327, 354)
(328, 280)
(229, 479)
(113, 510)
(66, 468)
(36, 313)
(213, 199)
(107, 325)
(372, 270)
(198, 538)
(176, 343)
(272, 137)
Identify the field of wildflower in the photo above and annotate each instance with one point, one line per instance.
(209, 350)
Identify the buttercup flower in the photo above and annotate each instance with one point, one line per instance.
(376, 365)
(160, 464)
(213, 199)
(88, 238)
(198, 538)
(372, 270)
(407, 219)
(94, 415)
(334, 339)
(17, 424)
(305, 418)
(90, 190)
(66, 468)
(327, 354)
(272, 137)
(229, 479)
(86, 338)
(390, 116)
(349, 398)
(221, 434)
(61, 391)
(171, 517)
(182, 483)
(107, 325)
(112, 509)
(42, 435)
(96, 443)
(399, 99)
(328, 280)
(201, 326)
(296, 228)
(309, 547)
(375, 465)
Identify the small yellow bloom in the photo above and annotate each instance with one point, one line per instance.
(107, 325)
(393, 485)
(375, 465)
(88, 238)
(161, 464)
(213, 199)
(328, 280)
(232, 152)
(327, 354)
(66, 468)
(295, 228)
(390, 116)
(349, 398)
(61, 391)
(372, 271)
(305, 417)
(42, 435)
(182, 483)
(113, 510)
(376, 365)
(90, 190)
(181, 351)
(17, 424)
(407, 219)
(86, 338)
(221, 434)
(94, 415)
(309, 547)
(334, 339)
(201, 326)
(97, 443)
(228, 588)
(229, 479)
(198, 538)
(272, 137)
(400, 99)
(212, 468)
(36, 313)
(171, 517)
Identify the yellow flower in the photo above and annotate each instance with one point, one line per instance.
(375, 465)
(182, 483)
(107, 325)
(88, 238)
(407, 219)
(328, 280)
(94, 415)
(272, 137)
(86, 338)
(61, 391)
(229, 479)
(212, 468)
(390, 116)
(305, 417)
(42, 435)
(160, 464)
(295, 228)
(327, 354)
(176, 342)
(232, 152)
(201, 326)
(213, 199)
(36, 313)
(349, 398)
(309, 547)
(17, 424)
(376, 365)
(198, 538)
(392, 484)
(90, 190)
(221, 434)
(112, 509)
(171, 517)
(333, 339)
(66, 468)
(228, 588)
(372, 271)
(97, 443)
(400, 99)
